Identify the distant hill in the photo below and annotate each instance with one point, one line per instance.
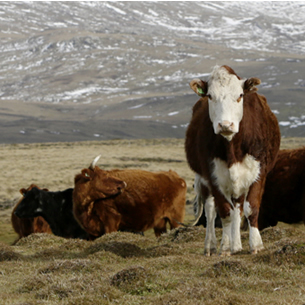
(75, 71)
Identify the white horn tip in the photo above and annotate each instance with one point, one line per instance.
(93, 164)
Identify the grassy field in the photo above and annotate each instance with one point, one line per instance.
(124, 268)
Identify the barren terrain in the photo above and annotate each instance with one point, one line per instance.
(124, 268)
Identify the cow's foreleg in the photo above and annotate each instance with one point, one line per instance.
(160, 227)
(235, 245)
(231, 241)
(226, 236)
(210, 243)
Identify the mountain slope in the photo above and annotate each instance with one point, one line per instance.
(108, 58)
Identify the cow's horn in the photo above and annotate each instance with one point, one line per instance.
(93, 163)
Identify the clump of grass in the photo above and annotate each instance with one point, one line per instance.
(34, 283)
(273, 234)
(122, 249)
(226, 269)
(184, 234)
(163, 250)
(8, 254)
(131, 280)
(77, 265)
(40, 240)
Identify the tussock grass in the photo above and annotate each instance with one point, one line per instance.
(8, 254)
(126, 268)
(131, 269)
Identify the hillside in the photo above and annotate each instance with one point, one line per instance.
(81, 71)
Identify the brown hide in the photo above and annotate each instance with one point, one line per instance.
(284, 196)
(258, 136)
(150, 200)
(26, 226)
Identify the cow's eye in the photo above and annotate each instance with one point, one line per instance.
(240, 97)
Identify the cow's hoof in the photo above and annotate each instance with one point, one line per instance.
(210, 252)
(225, 253)
(235, 251)
(255, 251)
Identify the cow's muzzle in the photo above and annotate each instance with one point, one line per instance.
(122, 187)
(18, 214)
(226, 128)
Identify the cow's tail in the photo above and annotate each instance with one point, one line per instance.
(198, 205)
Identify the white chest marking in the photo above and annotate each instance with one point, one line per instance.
(236, 180)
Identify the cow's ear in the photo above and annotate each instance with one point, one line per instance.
(199, 87)
(22, 191)
(87, 173)
(46, 190)
(250, 84)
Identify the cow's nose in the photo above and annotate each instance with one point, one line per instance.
(122, 187)
(225, 125)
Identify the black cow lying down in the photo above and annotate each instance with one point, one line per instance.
(56, 208)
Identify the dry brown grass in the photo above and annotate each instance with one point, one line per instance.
(124, 268)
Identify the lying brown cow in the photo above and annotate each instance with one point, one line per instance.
(103, 203)
(26, 226)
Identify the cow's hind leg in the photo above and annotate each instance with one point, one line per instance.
(160, 227)
(255, 240)
(251, 211)
(210, 243)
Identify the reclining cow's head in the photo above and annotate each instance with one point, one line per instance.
(31, 205)
(99, 184)
(24, 191)
(225, 92)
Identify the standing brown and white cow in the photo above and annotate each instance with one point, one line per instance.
(232, 142)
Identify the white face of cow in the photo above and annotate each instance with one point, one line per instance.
(225, 93)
